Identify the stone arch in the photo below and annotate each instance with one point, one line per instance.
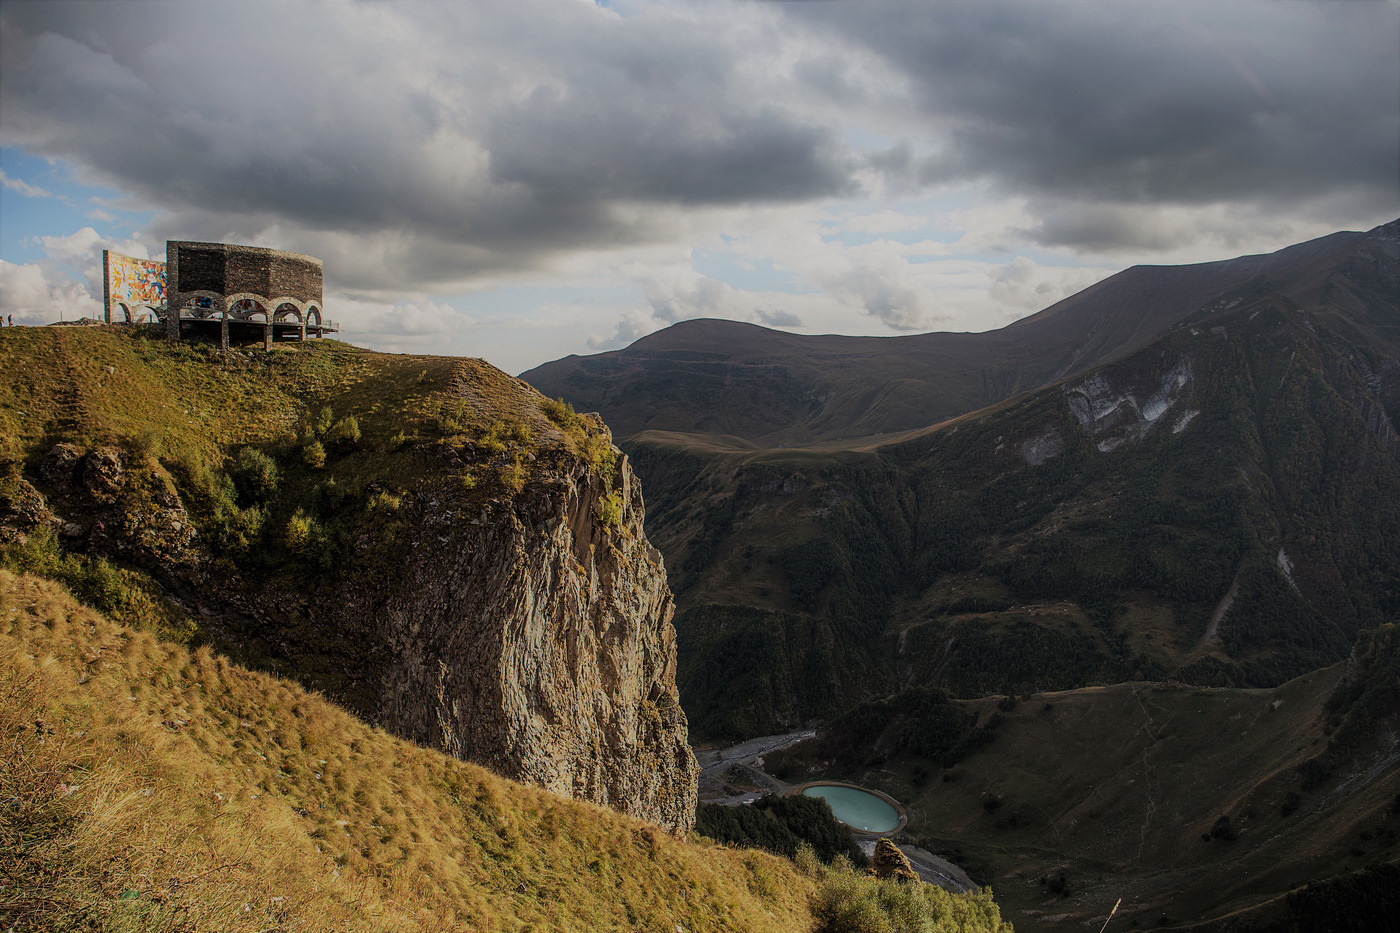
(201, 304)
(124, 309)
(313, 313)
(285, 309)
(246, 304)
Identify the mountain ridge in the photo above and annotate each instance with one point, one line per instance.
(773, 387)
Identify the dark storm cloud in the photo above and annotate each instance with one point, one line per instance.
(484, 137)
(1141, 103)
(436, 142)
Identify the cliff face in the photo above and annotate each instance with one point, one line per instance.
(536, 639)
(465, 568)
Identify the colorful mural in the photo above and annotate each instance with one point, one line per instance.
(136, 283)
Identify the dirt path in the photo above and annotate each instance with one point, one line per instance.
(715, 763)
(1212, 635)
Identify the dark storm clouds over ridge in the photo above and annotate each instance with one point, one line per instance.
(446, 143)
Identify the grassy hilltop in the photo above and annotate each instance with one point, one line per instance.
(159, 774)
(298, 470)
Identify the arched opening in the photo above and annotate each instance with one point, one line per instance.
(313, 315)
(199, 306)
(285, 311)
(249, 309)
(126, 312)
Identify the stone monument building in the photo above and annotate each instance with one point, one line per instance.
(237, 291)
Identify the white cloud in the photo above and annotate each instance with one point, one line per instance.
(425, 150)
(775, 318)
(27, 293)
(22, 187)
(1025, 286)
(630, 328)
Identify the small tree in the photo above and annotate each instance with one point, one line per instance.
(314, 455)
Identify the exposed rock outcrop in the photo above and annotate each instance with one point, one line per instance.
(536, 638)
(472, 575)
(889, 862)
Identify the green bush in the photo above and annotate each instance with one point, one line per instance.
(323, 421)
(562, 414)
(847, 902)
(609, 509)
(255, 476)
(314, 455)
(304, 537)
(345, 433)
(783, 825)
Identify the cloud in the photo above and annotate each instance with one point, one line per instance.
(1024, 285)
(473, 139)
(413, 320)
(885, 293)
(430, 149)
(630, 328)
(1141, 104)
(77, 245)
(26, 293)
(777, 318)
(21, 187)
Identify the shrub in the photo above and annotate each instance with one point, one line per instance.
(512, 476)
(562, 414)
(314, 455)
(323, 421)
(609, 509)
(255, 476)
(345, 433)
(600, 454)
(304, 536)
(846, 902)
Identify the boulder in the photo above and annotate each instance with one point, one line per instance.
(59, 465)
(103, 474)
(889, 862)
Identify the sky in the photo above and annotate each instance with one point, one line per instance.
(522, 181)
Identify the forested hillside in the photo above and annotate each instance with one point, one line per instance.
(1221, 507)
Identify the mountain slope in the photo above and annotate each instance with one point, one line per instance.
(155, 788)
(427, 540)
(1222, 507)
(1189, 804)
(725, 377)
(149, 787)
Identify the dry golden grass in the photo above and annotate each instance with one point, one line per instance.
(146, 787)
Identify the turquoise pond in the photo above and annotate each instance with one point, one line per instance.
(856, 808)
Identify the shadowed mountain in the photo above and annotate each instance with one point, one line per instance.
(726, 377)
(1220, 506)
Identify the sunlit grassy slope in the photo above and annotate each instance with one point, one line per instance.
(325, 507)
(150, 788)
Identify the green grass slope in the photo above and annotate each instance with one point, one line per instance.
(257, 488)
(153, 788)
